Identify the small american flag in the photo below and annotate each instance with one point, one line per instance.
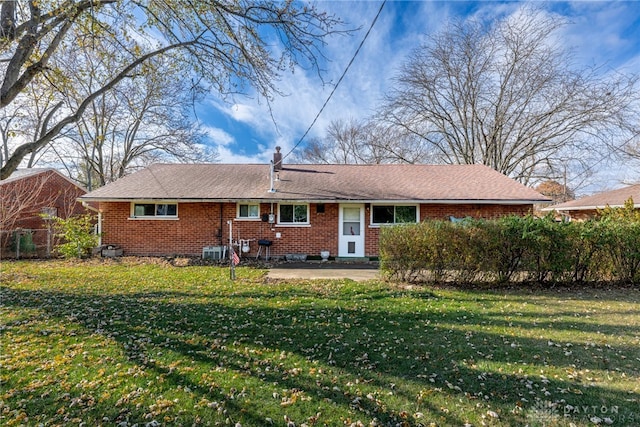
(235, 258)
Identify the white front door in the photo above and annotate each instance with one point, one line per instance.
(351, 230)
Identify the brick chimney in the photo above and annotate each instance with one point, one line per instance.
(277, 159)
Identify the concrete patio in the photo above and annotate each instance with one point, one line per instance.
(324, 270)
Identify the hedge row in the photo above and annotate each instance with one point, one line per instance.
(516, 249)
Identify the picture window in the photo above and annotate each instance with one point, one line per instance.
(392, 214)
(293, 214)
(147, 210)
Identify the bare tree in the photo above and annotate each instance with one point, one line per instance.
(392, 144)
(507, 96)
(363, 142)
(343, 144)
(232, 45)
(143, 119)
(628, 147)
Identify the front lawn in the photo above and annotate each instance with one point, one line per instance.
(151, 344)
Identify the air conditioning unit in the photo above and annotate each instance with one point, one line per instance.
(214, 252)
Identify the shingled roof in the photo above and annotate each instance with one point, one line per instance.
(613, 198)
(25, 173)
(20, 174)
(319, 183)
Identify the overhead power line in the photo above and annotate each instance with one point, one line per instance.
(338, 83)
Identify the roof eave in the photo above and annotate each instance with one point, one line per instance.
(586, 208)
(316, 200)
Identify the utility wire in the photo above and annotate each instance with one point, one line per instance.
(338, 83)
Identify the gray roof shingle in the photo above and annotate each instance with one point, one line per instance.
(304, 182)
(613, 198)
(24, 173)
(20, 174)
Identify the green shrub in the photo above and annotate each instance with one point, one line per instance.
(547, 244)
(622, 241)
(403, 253)
(516, 249)
(77, 234)
(505, 249)
(414, 252)
(586, 251)
(22, 239)
(391, 250)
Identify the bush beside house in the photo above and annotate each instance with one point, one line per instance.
(515, 248)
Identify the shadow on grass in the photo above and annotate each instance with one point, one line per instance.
(353, 356)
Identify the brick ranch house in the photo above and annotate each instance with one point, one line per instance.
(588, 207)
(180, 209)
(29, 193)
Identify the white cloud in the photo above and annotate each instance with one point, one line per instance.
(227, 155)
(597, 31)
(244, 113)
(284, 120)
(218, 137)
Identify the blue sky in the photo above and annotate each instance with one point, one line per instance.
(604, 33)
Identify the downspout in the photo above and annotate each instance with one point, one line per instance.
(99, 230)
(220, 233)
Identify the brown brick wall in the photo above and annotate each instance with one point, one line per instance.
(445, 211)
(199, 225)
(33, 193)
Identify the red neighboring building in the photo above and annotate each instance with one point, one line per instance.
(185, 209)
(588, 207)
(27, 194)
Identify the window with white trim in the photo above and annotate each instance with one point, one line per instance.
(154, 210)
(248, 210)
(394, 214)
(293, 213)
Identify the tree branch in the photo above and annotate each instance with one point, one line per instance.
(24, 149)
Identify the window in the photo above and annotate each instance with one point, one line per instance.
(155, 210)
(49, 212)
(248, 210)
(390, 214)
(293, 214)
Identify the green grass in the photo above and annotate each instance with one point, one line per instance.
(120, 344)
